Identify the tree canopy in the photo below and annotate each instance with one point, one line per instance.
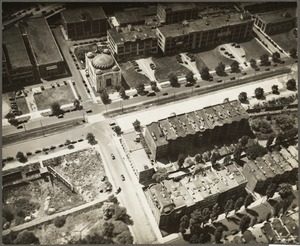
(259, 93)
(173, 79)
(242, 97)
(264, 59)
(160, 175)
(291, 84)
(55, 108)
(205, 73)
(255, 150)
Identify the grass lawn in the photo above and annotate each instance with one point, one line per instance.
(22, 105)
(253, 49)
(167, 64)
(286, 40)
(62, 95)
(6, 103)
(132, 77)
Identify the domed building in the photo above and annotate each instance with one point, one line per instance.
(103, 70)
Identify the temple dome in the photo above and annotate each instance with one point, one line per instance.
(106, 51)
(115, 68)
(90, 55)
(98, 72)
(103, 61)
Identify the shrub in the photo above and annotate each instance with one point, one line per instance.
(59, 222)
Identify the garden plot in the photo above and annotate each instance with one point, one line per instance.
(84, 170)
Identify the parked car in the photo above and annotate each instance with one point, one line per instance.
(219, 80)
(151, 94)
(165, 94)
(112, 123)
(197, 86)
(113, 157)
(244, 73)
(122, 177)
(88, 111)
(233, 78)
(134, 95)
(103, 178)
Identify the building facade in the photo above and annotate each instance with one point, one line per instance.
(178, 133)
(103, 70)
(204, 32)
(16, 65)
(276, 21)
(132, 41)
(83, 23)
(170, 13)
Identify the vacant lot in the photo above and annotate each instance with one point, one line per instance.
(286, 40)
(167, 64)
(132, 77)
(22, 105)
(62, 95)
(253, 49)
(84, 170)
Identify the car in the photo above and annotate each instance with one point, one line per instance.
(282, 62)
(103, 178)
(233, 44)
(165, 94)
(113, 157)
(244, 73)
(237, 46)
(19, 127)
(257, 69)
(192, 60)
(112, 123)
(275, 65)
(188, 84)
(60, 116)
(219, 80)
(118, 190)
(197, 86)
(122, 177)
(267, 69)
(186, 62)
(134, 95)
(151, 94)
(233, 78)
(88, 111)
(211, 79)
(234, 231)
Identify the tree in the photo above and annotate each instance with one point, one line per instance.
(185, 221)
(190, 77)
(218, 234)
(173, 79)
(293, 53)
(153, 85)
(264, 59)
(271, 190)
(289, 134)
(160, 175)
(284, 121)
(180, 160)
(122, 92)
(275, 89)
(140, 87)
(76, 104)
(235, 66)
(220, 69)
(120, 213)
(92, 239)
(237, 153)
(269, 141)
(279, 138)
(252, 63)
(244, 140)
(228, 207)
(7, 214)
(215, 212)
(104, 97)
(261, 125)
(291, 84)
(245, 222)
(227, 160)
(259, 93)
(285, 190)
(268, 216)
(21, 157)
(137, 125)
(238, 204)
(242, 97)
(255, 150)
(124, 238)
(26, 237)
(55, 108)
(91, 138)
(117, 130)
(205, 73)
(108, 229)
(248, 200)
(59, 222)
(277, 208)
(9, 115)
(206, 215)
(213, 159)
(253, 221)
(198, 158)
(194, 239)
(276, 56)
(196, 218)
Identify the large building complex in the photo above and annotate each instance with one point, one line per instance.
(276, 21)
(103, 70)
(16, 65)
(170, 200)
(177, 133)
(132, 41)
(176, 12)
(88, 22)
(45, 51)
(204, 32)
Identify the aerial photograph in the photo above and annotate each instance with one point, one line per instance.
(150, 122)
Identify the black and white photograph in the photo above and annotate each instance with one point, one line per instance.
(150, 122)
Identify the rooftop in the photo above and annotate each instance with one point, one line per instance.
(174, 30)
(178, 6)
(278, 16)
(131, 34)
(15, 47)
(83, 14)
(42, 42)
(189, 123)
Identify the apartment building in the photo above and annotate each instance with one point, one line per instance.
(83, 23)
(132, 41)
(203, 33)
(178, 133)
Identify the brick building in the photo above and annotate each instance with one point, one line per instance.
(170, 200)
(277, 167)
(204, 32)
(16, 66)
(47, 56)
(103, 70)
(178, 133)
(170, 13)
(132, 41)
(82, 23)
(276, 21)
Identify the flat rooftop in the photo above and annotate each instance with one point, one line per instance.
(137, 32)
(278, 15)
(189, 123)
(83, 14)
(15, 47)
(42, 42)
(178, 6)
(176, 29)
